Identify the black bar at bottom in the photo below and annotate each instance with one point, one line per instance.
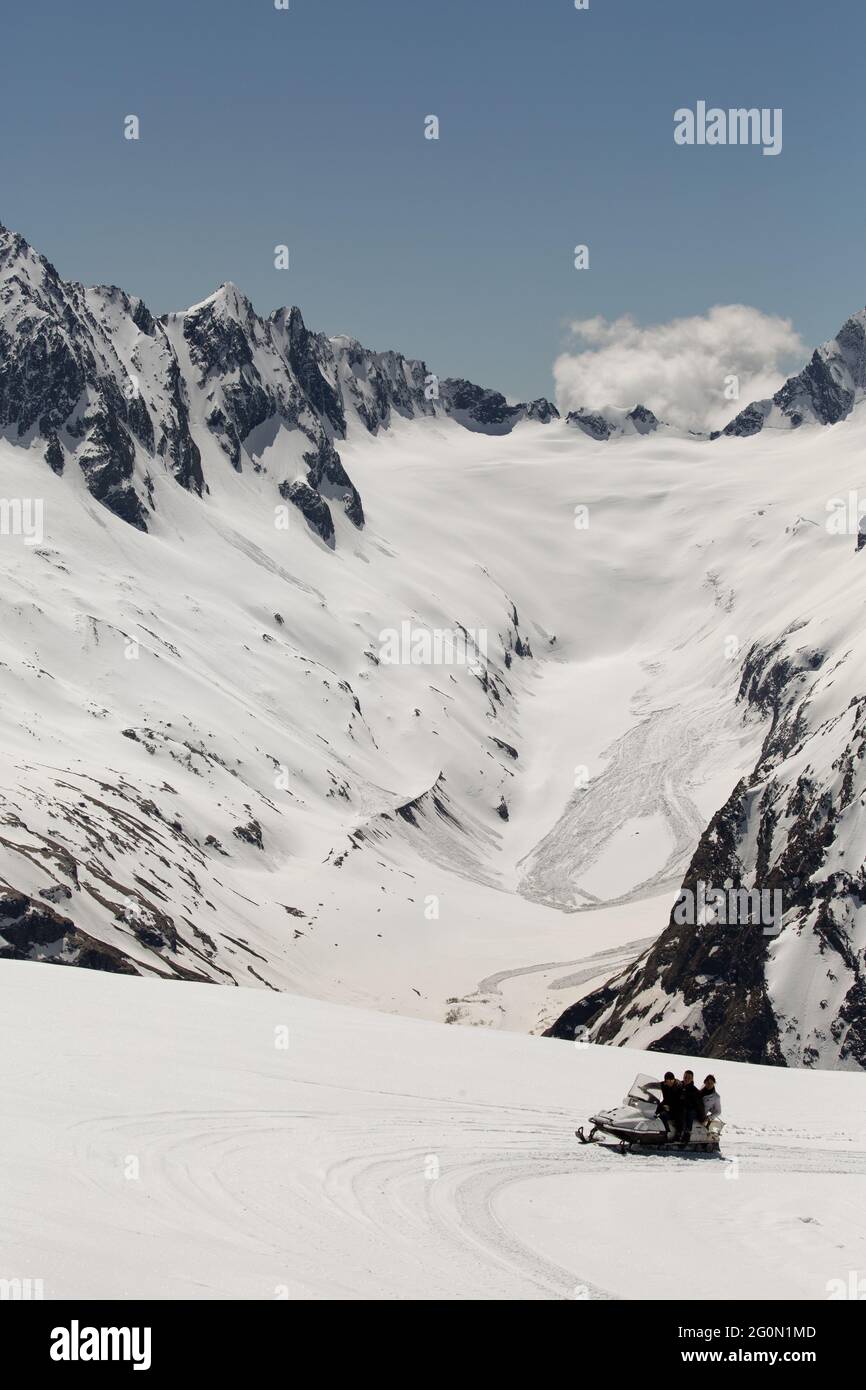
(626, 1340)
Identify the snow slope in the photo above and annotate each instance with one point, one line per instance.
(388, 1158)
(792, 595)
(142, 769)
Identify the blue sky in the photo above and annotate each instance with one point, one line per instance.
(305, 127)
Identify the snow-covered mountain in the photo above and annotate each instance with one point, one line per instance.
(824, 392)
(612, 421)
(794, 825)
(102, 384)
(322, 673)
(201, 700)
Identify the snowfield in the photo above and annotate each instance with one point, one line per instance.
(166, 1140)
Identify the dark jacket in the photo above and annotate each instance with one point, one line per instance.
(692, 1100)
(670, 1097)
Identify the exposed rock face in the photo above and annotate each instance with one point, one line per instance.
(61, 380)
(109, 388)
(749, 421)
(542, 410)
(379, 385)
(735, 991)
(31, 931)
(824, 392)
(604, 424)
(67, 376)
(593, 424)
(488, 411)
(328, 478)
(221, 336)
(314, 508)
(643, 419)
(251, 833)
(309, 357)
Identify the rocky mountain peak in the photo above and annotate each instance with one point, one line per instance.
(109, 388)
(614, 420)
(824, 392)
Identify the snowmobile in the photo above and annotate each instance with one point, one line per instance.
(636, 1125)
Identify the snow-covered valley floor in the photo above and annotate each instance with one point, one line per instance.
(173, 1140)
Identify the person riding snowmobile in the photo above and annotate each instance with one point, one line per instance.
(692, 1106)
(669, 1108)
(712, 1101)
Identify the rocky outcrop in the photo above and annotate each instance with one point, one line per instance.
(643, 419)
(30, 930)
(542, 410)
(824, 392)
(328, 478)
(313, 508)
(488, 412)
(591, 422)
(605, 424)
(749, 421)
(309, 355)
(379, 385)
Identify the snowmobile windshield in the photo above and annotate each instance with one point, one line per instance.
(638, 1094)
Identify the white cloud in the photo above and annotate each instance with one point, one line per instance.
(679, 369)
